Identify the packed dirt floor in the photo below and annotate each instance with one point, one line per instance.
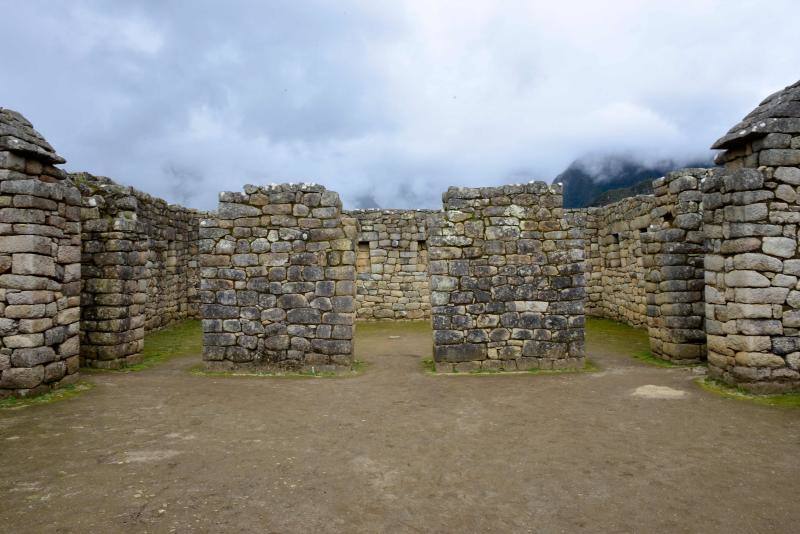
(398, 450)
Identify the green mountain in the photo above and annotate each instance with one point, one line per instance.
(596, 181)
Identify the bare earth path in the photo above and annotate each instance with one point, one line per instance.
(396, 450)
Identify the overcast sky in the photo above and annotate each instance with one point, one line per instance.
(389, 100)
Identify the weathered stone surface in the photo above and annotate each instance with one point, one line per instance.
(140, 268)
(288, 302)
(782, 247)
(392, 264)
(496, 254)
(759, 323)
(39, 269)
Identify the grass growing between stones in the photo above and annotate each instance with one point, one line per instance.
(588, 367)
(647, 357)
(429, 367)
(357, 369)
(67, 392)
(182, 339)
(784, 400)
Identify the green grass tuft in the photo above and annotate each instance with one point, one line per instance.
(428, 365)
(182, 339)
(391, 328)
(647, 357)
(784, 400)
(356, 369)
(67, 392)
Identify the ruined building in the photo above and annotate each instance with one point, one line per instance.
(280, 275)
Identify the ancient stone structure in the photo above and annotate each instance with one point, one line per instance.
(709, 263)
(392, 264)
(615, 275)
(674, 254)
(278, 280)
(40, 268)
(140, 270)
(751, 217)
(507, 285)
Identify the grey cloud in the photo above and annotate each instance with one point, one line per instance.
(384, 102)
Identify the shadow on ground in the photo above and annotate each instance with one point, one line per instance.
(632, 447)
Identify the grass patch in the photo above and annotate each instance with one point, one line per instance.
(389, 327)
(647, 357)
(428, 365)
(67, 392)
(357, 368)
(625, 339)
(784, 400)
(182, 339)
(617, 336)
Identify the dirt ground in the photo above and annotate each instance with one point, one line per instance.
(398, 450)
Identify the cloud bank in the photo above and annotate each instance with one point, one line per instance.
(388, 103)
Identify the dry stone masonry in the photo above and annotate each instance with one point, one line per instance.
(140, 270)
(674, 257)
(507, 285)
(751, 217)
(614, 259)
(709, 263)
(392, 264)
(40, 270)
(278, 280)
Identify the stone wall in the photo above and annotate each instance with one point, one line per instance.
(752, 269)
(507, 284)
(278, 280)
(140, 270)
(615, 274)
(674, 268)
(392, 264)
(753, 306)
(751, 217)
(40, 267)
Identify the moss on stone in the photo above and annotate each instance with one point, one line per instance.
(784, 400)
(357, 369)
(63, 393)
(181, 339)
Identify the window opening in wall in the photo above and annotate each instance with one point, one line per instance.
(421, 244)
(669, 217)
(615, 239)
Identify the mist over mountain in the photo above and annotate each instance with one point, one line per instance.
(599, 180)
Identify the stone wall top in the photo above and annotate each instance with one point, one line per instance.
(103, 186)
(17, 135)
(387, 211)
(471, 193)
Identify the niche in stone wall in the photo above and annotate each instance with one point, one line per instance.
(362, 258)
